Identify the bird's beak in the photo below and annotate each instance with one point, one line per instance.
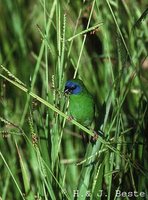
(67, 91)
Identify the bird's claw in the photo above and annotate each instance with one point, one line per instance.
(70, 118)
(94, 138)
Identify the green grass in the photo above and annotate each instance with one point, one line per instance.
(43, 44)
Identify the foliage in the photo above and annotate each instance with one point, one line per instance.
(43, 44)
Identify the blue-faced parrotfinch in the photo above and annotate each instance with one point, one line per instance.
(81, 102)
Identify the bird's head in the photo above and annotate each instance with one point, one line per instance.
(74, 86)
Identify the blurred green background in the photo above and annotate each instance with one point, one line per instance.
(44, 43)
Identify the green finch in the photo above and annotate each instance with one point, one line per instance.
(81, 102)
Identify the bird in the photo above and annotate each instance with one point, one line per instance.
(81, 102)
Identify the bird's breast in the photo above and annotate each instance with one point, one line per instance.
(82, 109)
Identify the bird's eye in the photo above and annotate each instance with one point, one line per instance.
(70, 89)
(73, 87)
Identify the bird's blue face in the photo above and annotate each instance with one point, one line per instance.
(72, 88)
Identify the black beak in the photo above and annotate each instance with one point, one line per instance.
(67, 90)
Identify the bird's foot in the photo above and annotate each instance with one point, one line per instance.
(70, 118)
(94, 138)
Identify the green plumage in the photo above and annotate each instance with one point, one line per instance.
(81, 105)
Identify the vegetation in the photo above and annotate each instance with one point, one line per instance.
(44, 43)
